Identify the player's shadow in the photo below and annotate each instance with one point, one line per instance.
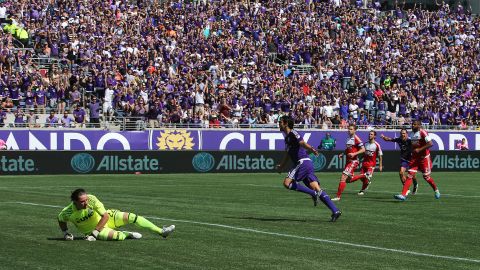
(61, 238)
(272, 219)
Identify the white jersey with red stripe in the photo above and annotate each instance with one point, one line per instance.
(419, 139)
(372, 151)
(354, 144)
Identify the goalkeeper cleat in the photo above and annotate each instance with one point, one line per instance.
(335, 216)
(437, 194)
(415, 189)
(166, 231)
(133, 235)
(400, 197)
(316, 198)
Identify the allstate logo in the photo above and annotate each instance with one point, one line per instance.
(203, 162)
(319, 161)
(82, 163)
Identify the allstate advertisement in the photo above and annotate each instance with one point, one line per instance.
(156, 162)
(201, 139)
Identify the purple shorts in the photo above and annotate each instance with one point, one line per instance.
(303, 171)
(404, 164)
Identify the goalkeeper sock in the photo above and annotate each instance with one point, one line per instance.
(142, 222)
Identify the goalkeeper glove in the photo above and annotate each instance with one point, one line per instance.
(67, 236)
(90, 238)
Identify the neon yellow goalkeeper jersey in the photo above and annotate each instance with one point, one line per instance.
(84, 219)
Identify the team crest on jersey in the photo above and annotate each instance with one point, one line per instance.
(175, 140)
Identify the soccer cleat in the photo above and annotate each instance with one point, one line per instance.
(335, 216)
(316, 198)
(133, 235)
(437, 194)
(336, 199)
(415, 189)
(400, 197)
(361, 192)
(166, 231)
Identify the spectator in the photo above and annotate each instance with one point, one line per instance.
(462, 145)
(67, 121)
(94, 111)
(32, 119)
(52, 120)
(19, 118)
(79, 116)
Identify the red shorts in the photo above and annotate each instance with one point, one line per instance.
(350, 167)
(367, 171)
(421, 164)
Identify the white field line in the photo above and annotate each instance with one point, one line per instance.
(420, 254)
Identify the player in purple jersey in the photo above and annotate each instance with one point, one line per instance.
(302, 169)
(405, 145)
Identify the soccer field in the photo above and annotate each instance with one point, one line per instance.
(246, 221)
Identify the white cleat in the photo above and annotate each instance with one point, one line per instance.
(133, 235)
(336, 199)
(166, 231)
(361, 192)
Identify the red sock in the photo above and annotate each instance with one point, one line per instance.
(357, 177)
(406, 186)
(365, 183)
(341, 188)
(431, 182)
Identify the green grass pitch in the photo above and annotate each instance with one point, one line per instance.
(246, 221)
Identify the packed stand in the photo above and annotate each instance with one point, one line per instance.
(240, 63)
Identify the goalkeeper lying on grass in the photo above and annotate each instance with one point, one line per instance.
(88, 214)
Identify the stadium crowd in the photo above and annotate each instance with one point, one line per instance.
(207, 63)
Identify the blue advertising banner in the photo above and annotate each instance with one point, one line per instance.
(202, 139)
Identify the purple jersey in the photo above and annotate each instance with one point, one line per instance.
(405, 148)
(293, 147)
(40, 97)
(79, 115)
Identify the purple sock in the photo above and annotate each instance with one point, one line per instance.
(301, 188)
(326, 200)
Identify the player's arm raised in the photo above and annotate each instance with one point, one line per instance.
(385, 138)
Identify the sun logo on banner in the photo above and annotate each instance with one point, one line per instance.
(175, 140)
